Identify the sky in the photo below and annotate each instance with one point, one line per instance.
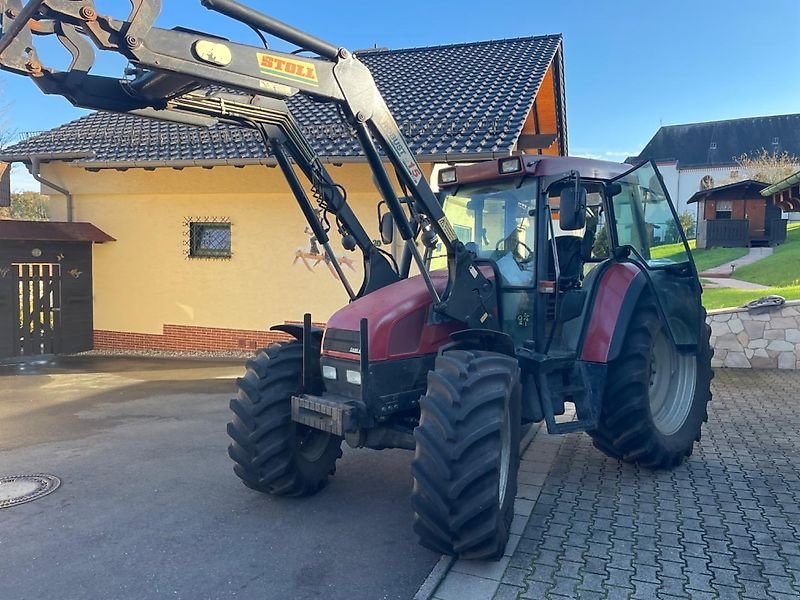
(630, 66)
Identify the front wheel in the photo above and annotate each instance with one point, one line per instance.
(272, 453)
(467, 455)
(656, 398)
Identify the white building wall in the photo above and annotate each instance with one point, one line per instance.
(682, 184)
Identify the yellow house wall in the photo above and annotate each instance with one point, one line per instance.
(144, 280)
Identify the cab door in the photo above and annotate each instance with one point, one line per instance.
(645, 223)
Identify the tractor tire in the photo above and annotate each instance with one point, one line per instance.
(467, 454)
(273, 454)
(655, 399)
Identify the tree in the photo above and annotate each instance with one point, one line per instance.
(765, 166)
(26, 206)
(687, 224)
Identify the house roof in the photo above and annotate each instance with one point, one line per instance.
(52, 231)
(783, 184)
(457, 100)
(749, 188)
(718, 143)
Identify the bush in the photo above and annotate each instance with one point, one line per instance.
(687, 223)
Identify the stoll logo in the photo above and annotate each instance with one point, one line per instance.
(298, 71)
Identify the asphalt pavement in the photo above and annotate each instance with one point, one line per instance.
(149, 506)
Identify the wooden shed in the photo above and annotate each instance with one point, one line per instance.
(737, 215)
(46, 287)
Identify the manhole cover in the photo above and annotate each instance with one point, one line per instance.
(19, 489)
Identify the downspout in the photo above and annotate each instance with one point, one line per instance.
(35, 165)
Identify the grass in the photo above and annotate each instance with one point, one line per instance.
(730, 297)
(780, 271)
(782, 268)
(704, 259)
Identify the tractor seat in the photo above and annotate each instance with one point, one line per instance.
(570, 260)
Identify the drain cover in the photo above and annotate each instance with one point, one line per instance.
(19, 489)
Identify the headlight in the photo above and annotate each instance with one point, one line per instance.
(447, 176)
(510, 165)
(353, 377)
(328, 372)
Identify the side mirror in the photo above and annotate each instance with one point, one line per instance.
(572, 208)
(387, 228)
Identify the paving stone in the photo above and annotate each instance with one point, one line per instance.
(515, 576)
(724, 524)
(488, 569)
(507, 592)
(460, 586)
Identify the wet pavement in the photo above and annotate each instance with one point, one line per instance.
(149, 506)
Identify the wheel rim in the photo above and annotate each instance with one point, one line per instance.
(505, 458)
(311, 443)
(673, 377)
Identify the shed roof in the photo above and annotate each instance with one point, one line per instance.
(719, 143)
(749, 188)
(52, 231)
(456, 100)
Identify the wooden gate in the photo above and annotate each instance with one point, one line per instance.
(38, 310)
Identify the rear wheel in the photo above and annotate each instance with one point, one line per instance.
(467, 455)
(656, 398)
(273, 454)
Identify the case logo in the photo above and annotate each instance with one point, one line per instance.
(290, 69)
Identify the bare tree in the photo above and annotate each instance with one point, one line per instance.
(769, 167)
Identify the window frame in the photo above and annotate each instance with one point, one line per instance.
(195, 229)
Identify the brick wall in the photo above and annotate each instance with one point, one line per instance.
(185, 338)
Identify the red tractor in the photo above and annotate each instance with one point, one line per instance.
(540, 282)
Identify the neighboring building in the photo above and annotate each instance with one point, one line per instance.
(699, 156)
(737, 215)
(785, 193)
(210, 247)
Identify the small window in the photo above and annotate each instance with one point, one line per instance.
(209, 239)
(724, 209)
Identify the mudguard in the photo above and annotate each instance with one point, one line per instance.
(613, 303)
(296, 331)
(482, 339)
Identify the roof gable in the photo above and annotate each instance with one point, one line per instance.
(719, 143)
(461, 99)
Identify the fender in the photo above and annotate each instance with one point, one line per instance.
(618, 291)
(482, 339)
(296, 331)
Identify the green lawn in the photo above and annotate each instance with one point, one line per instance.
(729, 297)
(782, 269)
(704, 259)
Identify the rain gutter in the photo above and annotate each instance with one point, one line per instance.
(35, 162)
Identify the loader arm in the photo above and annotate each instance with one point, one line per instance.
(171, 67)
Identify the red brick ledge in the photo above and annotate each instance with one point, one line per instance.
(187, 338)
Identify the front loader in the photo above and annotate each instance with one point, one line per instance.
(530, 288)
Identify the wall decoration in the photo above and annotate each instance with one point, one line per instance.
(314, 255)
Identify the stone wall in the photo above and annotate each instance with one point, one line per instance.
(765, 339)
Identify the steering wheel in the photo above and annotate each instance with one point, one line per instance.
(523, 259)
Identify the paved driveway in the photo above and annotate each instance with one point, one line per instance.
(726, 524)
(149, 506)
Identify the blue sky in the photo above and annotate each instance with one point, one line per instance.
(631, 66)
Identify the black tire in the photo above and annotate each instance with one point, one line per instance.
(628, 429)
(467, 455)
(273, 454)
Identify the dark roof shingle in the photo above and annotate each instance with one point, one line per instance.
(457, 99)
(721, 142)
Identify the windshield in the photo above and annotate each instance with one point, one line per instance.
(645, 220)
(494, 221)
